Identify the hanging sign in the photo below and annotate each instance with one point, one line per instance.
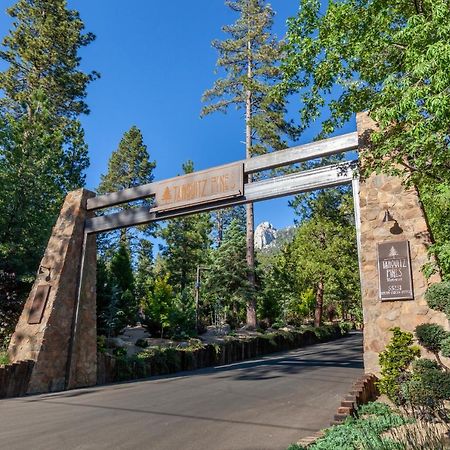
(200, 187)
(394, 271)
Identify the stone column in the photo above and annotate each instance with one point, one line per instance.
(379, 193)
(55, 330)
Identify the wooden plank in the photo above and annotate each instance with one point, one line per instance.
(200, 187)
(313, 150)
(327, 176)
(293, 155)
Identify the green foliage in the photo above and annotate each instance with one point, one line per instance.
(129, 166)
(394, 363)
(42, 149)
(436, 201)
(226, 279)
(158, 305)
(101, 344)
(389, 58)
(250, 59)
(4, 358)
(426, 390)
(186, 246)
(363, 431)
(438, 297)
(431, 335)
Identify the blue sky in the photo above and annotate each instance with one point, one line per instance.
(156, 60)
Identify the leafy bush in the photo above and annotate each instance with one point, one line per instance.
(426, 390)
(4, 358)
(394, 362)
(438, 297)
(430, 335)
(445, 347)
(360, 432)
(101, 344)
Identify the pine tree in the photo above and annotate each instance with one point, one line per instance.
(42, 148)
(122, 281)
(227, 279)
(250, 60)
(129, 166)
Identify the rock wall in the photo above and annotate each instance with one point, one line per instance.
(53, 331)
(377, 194)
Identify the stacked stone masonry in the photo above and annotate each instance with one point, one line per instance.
(379, 193)
(60, 360)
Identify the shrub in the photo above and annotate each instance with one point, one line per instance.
(438, 297)
(427, 389)
(360, 432)
(445, 347)
(430, 335)
(101, 344)
(4, 358)
(394, 362)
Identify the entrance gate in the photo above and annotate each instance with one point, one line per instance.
(57, 328)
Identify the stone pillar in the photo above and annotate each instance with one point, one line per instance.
(377, 194)
(54, 330)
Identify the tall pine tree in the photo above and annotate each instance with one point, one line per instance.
(250, 58)
(42, 148)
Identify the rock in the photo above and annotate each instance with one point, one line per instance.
(134, 334)
(183, 344)
(265, 234)
(115, 343)
(218, 330)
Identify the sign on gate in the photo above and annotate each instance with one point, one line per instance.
(200, 187)
(394, 271)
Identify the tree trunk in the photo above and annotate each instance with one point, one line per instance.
(319, 304)
(251, 302)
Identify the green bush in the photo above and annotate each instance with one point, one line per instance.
(438, 297)
(360, 432)
(427, 389)
(445, 347)
(4, 358)
(394, 362)
(430, 335)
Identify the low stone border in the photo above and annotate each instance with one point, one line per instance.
(14, 378)
(111, 369)
(364, 390)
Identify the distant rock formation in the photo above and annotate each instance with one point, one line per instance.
(269, 240)
(265, 234)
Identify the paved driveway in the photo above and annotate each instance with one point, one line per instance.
(256, 405)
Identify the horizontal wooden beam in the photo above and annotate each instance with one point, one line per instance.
(295, 183)
(293, 155)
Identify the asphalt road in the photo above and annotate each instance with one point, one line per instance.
(255, 405)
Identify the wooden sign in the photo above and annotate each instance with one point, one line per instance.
(39, 302)
(394, 271)
(200, 187)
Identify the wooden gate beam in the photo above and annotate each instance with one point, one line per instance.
(304, 181)
(293, 155)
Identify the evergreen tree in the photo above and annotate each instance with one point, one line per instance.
(122, 281)
(250, 60)
(144, 277)
(227, 279)
(222, 219)
(42, 148)
(129, 166)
